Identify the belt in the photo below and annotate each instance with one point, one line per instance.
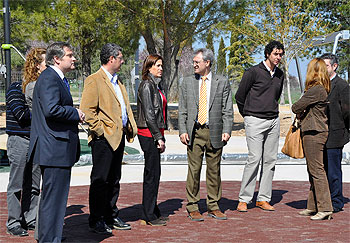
(199, 126)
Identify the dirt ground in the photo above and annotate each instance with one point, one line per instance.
(238, 125)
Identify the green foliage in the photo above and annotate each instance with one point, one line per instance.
(210, 46)
(86, 24)
(210, 42)
(241, 48)
(240, 56)
(170, 25)
(221, 62)
(337, 14)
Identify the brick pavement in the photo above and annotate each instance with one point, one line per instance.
(283, 225)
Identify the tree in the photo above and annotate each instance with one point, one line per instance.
(291, 22)
(174, 22)
(240, 56)
(221, 66)
(210, 46)
(241, 48)
(337, 14)
(86, 24)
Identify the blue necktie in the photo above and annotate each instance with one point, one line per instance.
(66, 82)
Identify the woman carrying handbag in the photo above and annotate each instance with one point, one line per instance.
(311, 110)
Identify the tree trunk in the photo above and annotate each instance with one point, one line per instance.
(86, 61)
(151, 47)
(286, 74)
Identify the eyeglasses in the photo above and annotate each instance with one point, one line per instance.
(120, 58)
(196, 62)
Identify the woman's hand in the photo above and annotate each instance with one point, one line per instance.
(161, 145)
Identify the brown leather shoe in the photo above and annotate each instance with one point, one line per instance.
(265, 206)
(195, 216)
(217, 214)
(242, 207)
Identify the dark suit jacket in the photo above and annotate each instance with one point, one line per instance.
(338, 113)
(220, 107)
(54, 137)
(312, 105)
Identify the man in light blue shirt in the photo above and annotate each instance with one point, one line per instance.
(110, 120)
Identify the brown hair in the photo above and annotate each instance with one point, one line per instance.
(317, 74)
(31, 70)
(148, 63)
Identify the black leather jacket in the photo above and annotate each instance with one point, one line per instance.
(150, 108)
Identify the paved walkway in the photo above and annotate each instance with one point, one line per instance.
(283, 225)
(290, 188)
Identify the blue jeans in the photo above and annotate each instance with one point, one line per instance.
(333, 158)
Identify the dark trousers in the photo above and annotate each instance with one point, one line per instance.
(333, 158)
(151, 177)
(53, 202)
(105, 177)
(319, 198)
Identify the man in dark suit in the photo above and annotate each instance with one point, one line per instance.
(54, 141)
(338, 134)
(205, 125)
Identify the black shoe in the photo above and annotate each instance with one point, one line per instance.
(157, 222)
(17, 231)
(100, 228)
(119, 224)
(31, 227)
(164, 218)
(337, 210)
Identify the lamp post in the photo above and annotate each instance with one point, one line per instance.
(7, 32)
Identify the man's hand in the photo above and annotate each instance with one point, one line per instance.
(184, 138)
(81, 115)
(225, 137)
(161, 146)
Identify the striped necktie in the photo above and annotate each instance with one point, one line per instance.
(66, 82)
(202, 110)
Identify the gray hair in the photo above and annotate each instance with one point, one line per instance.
(56, 50)
(108, 50)
(207, 54)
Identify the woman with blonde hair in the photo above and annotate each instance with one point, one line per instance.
(24, 180)
(311, 110)
(34, 65)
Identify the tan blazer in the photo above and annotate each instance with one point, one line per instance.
(102, 110)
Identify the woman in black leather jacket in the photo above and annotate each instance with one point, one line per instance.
(151, 117)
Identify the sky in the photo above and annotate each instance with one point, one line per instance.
(257, 57)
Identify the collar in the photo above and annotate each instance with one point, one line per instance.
(209, 76)
(109, 75)
(335, 74)
(58, 71)
(269, 69)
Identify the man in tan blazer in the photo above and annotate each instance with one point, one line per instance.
(108, 113)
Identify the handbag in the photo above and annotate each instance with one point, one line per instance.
(293, 145)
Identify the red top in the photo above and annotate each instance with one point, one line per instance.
(145, 131)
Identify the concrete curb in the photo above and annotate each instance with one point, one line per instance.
(238, 159)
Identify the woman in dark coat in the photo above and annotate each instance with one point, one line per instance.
(151, 122)
(311, 109)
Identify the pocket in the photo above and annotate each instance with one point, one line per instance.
(63, 135)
